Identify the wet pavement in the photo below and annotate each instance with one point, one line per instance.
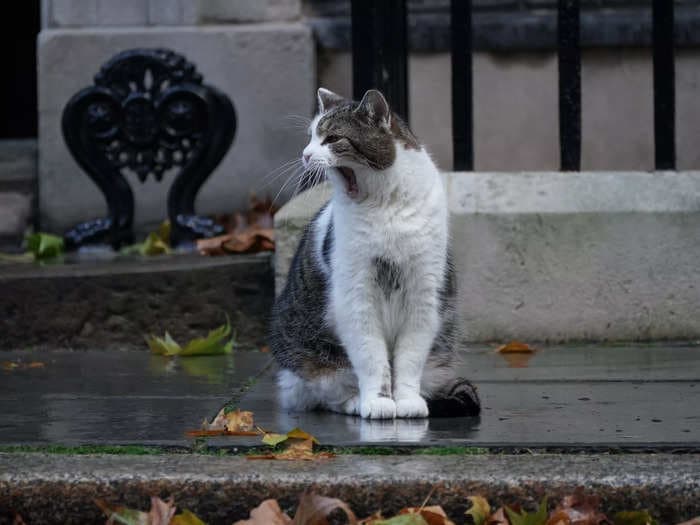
(568, 396)
(129, 397)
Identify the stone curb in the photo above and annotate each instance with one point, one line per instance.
(61, 488)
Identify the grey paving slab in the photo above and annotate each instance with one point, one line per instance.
(116, 397)
(579, 396)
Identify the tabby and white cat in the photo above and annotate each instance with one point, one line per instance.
(365, 322)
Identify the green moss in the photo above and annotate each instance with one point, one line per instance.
(451, 451)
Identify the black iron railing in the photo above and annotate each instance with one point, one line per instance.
(379, 46)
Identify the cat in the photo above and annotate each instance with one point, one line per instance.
(365, 324)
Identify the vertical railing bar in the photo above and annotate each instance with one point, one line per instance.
(664, 85)
(462, 85)
(569, 52)
(380, 50)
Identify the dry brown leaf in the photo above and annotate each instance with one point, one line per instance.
(433, 515)
(498, 518)
(369, 520)
(267, 513)
(234, 423)
(515, 347)
(296, 449)
(160, 514)
(579, 509)
(694, 521)
(314, 509)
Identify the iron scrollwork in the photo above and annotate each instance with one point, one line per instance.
(148, 114)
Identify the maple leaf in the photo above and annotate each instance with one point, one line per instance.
(578, 509)
(539, 517)
(432, 515)
(479, 511)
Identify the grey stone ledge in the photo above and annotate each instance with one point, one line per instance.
(225, 489)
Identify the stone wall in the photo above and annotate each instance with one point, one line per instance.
(258, 52)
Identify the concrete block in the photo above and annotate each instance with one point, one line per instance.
(122, 13)
(72, 13)
(15, 211)
(606, 256)
(218, 11)
(18, 165)
(165, 12)
(267, 70)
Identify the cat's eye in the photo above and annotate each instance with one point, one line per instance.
(330, 139)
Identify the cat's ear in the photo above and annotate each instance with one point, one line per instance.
(375, 106)
(327, 99)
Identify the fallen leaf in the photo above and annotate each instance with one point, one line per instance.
(694, 521)
(298, 433)
(371, 520)
(216, 342)
(433, 515)
(186, 518)
(160, 514)
(515, 347)
(44, 245)
(403, 519)
(578, 509)
(539, 517)
(498, 518)
(640, 517)
(314, 509)
(274, 439)
(265, 349)
(267, 513)
(232, 423)
(239, 421)
(154, 245)
(479, 511)
(14, 365)
(296, 449)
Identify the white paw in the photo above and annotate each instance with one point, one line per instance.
(351, 406)
(414, 406)
(378, 408)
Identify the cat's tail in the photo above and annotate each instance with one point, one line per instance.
(459, 398)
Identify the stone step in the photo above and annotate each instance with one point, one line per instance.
(62, 488)
(18, 166)
(87, 302)
(604, 256)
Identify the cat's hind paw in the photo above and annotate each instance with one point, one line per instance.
(378, 408)
(413, 406)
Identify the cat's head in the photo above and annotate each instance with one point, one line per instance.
(357, 138)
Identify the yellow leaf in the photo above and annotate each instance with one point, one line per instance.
(186, 518)
(215, 343)
(274, 439)
(154, 245)
(298, 433)
(480, 509)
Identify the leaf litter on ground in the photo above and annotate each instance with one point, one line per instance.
(216, 342)
(249, 232)
(314, 509)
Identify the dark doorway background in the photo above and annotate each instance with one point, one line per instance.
(18, 93)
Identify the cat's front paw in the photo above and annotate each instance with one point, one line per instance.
(413, 406)
(378, 408)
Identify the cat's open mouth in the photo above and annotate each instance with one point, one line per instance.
(350, 181)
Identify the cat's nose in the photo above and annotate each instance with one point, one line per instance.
(307, 158)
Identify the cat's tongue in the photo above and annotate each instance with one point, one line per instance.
(350, 181)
